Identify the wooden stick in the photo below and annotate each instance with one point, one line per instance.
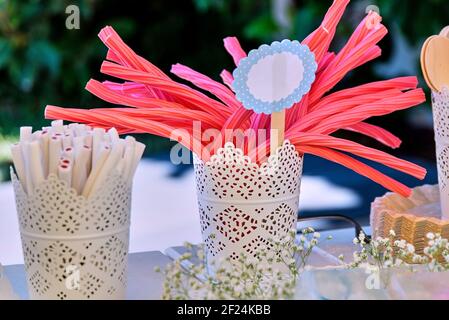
(277, 132)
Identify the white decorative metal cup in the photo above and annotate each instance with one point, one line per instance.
(440, 108)
(243, 205)
(75, 248)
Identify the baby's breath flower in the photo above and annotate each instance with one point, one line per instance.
(410, 248)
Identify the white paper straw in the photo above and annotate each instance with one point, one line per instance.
(130, 146)
(97, 140)
(120, 167)
(102, 157)
(44, 144)
(28, 167)
(67, 140)
(72, 127)
(68, 154)
(54, 154)
(25, 137)
(36, 135)
(58, 126)
(88, 139)
(78, 142)
(113, 134)
(138, 152)
(19, 164)
(108, 166)
(26, 134)
(35, 163)
(80, 130)
(80, 168)
(65, 172)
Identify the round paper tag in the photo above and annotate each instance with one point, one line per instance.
(274, 77)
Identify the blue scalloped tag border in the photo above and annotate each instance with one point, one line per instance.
(240, 74)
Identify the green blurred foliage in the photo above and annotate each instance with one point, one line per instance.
(42, 62)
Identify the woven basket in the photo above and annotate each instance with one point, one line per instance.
(411, 218)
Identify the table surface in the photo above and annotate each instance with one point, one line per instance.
(145, 283)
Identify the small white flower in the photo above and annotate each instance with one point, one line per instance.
(392, 233)
(355, 241)
(400, 244)
(410, 248)
(316, 235)
(430, 236)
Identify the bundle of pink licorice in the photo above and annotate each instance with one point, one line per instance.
(156, 104)
(77, 154)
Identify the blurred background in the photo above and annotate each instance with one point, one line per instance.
(42, 62)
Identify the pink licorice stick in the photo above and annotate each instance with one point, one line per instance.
(80, 168)
(138, 152)
(54, 154)
(103, 155)
(65, 172)
(108, 166)
(19, 164)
